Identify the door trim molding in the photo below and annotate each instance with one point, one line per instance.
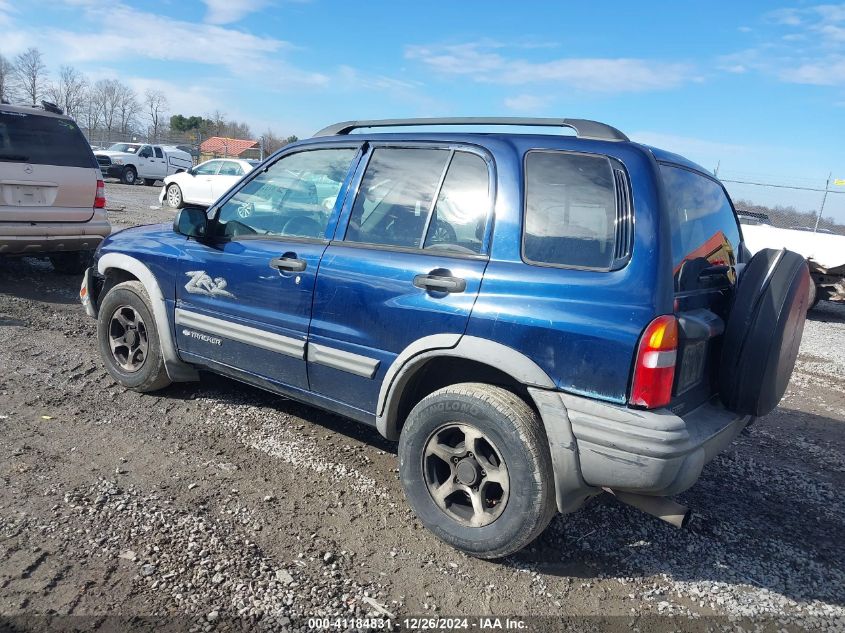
(344, 361)
(286, 345)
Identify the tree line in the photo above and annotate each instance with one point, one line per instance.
(109, 108)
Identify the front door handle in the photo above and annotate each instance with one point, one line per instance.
(440, 283)
(288, 264)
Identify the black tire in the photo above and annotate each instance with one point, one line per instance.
(129, 175)
(151, 374)
(513, 429)
(149, 182)
(173, 196)
(764, 331)
(71, 262)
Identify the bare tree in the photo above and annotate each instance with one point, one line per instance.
(69, 92)
(218, 124)
(104, 102)
(128, 108)
(6, 70)
(156, 104)
(30, 74)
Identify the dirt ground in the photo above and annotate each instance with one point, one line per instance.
(212, 501)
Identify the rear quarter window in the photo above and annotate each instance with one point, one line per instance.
(43, 140)
(570, 210)
(704, 227)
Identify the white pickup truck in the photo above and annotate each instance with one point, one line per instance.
(824, 251)
(133, 161)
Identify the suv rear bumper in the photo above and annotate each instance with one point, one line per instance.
(653, 453)
(21, 238)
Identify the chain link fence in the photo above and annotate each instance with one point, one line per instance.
(103, 139)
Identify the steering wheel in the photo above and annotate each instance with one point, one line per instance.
(302, 226)
(245, 209)
(443, 233)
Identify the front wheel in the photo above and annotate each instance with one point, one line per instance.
(129, 340)
(129, 175)
(475, 465)
(174, 196)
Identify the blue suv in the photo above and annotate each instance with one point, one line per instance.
(535, 317)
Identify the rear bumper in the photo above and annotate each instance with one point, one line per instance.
(22, 238)
(646, 452)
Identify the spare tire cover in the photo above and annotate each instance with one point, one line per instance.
(764, 331)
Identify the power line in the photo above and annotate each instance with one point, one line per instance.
(768, 184)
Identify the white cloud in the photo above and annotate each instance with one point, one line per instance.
(484, 62)
(248, 56)
(228, 11)
(807, 48)
(527, 103)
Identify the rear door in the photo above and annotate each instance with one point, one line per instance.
(706, 242)
(407, 262)
(230, 172)
(47, 169)
(158, 164)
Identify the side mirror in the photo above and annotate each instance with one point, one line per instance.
(191, 172)
(191, 222)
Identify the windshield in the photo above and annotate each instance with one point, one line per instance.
(129, 148)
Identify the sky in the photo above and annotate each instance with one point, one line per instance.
(757, 88)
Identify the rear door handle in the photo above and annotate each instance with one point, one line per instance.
(440, 283)
(288, 264)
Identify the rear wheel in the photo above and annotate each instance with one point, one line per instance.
(128, 338)
(174, 196)
(475, 464)
(129, 176)
(71, 262)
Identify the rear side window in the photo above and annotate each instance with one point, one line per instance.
(702, 219)
(42, 140)
(228, 168)
(422, 198)
(395, 197)
(570, 210)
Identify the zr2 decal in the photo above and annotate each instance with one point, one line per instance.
(201, 283)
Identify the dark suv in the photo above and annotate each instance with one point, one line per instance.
(535, 317)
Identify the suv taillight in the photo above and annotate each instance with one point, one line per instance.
(100, 195)
(654, 371)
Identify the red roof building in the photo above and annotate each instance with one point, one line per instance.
(219, 146)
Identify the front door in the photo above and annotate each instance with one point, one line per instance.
(197, 188)
(406, 263)
(244, 299)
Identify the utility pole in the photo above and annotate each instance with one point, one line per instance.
(824, 199)
(716, 171)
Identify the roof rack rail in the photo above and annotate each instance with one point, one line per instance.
(584, 128)
(49, 106)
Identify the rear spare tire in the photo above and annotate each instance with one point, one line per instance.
(764, 331)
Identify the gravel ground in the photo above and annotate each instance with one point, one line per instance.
(213, 501)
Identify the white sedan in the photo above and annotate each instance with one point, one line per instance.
(205, 183)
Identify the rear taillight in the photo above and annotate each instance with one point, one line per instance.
(100, 195)
(654, 371)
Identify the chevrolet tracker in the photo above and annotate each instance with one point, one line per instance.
(535, 317)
